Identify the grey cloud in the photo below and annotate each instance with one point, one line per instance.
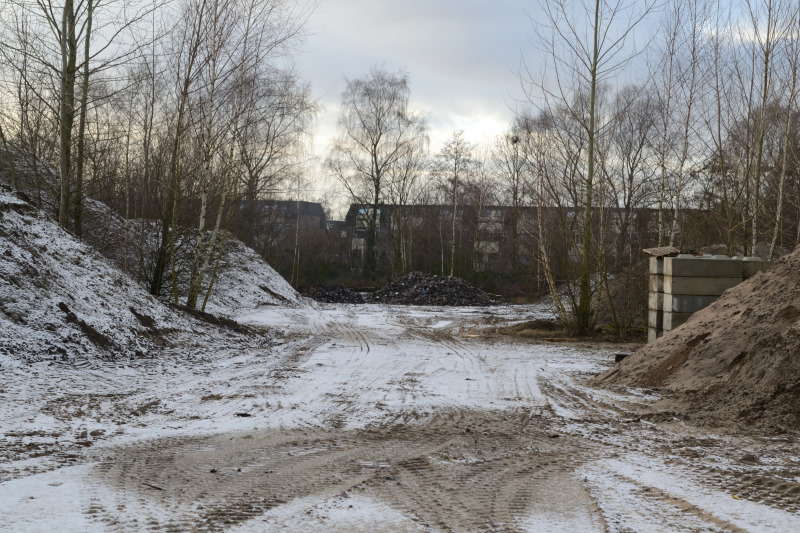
(460, 55)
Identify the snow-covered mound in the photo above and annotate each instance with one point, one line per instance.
(247, 282)
(244, 281)
(60, 300)
(737, 359)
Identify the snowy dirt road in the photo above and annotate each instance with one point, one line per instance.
(373, 418)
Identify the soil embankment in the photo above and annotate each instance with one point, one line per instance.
(736, 360)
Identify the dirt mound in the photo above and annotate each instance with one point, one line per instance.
(247, 282)
(61, 301)
(417, 288)
(244, 281)
(333, 295)
(736, 360)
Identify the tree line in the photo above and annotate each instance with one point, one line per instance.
(696, 123)
(178, 115)
(642, 123)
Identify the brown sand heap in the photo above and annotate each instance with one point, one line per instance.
(736, 360)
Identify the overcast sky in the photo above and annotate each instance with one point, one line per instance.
(461, 57)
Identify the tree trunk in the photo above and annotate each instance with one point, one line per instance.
(66, 116)
(584, 311)
(78, 209)
(169, 216)
(785, 157)
(12, 167)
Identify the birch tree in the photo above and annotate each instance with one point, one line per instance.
(584, 46)
(456, 165)
(407, 184)
(765, 32)
(187, 57)
(376, 128)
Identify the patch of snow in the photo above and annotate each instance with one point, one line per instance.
(616, 482)
(53, 501)
(353, 513)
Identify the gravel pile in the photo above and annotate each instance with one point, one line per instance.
(333, 295)
(417, 288)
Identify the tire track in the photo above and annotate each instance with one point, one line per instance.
(350, 334)
(455, 471)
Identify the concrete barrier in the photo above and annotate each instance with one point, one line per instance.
(698, 286)
(753, 265)
(673, 320)
(656, 283)
(685, 303)
(655, 313)
(682, 285)
(655, 301)
(702, 267)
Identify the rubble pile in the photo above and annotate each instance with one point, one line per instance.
(417, 288)
(333, 295)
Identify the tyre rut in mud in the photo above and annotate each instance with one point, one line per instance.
(455, 471)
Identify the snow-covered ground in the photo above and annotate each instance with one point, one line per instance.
(369, 418)
(121, 413)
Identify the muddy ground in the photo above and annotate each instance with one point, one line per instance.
(359, 418)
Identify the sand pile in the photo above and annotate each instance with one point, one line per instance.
(737, 360)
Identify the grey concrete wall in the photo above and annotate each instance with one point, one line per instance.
(686, 303)
(680, 286)
(655, 300)
(704, 286)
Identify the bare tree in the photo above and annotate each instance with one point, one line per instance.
(455, 165)
(719, 121)
(665, 79)
(628, 173)
(792, 53)
(375, 131)
(767, 27)
(187, 57)
(585, 45)
(480, 192)
(406, 187)
(510, 155)
(9, 156)
(53, 46)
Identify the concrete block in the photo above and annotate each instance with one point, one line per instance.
(687, 303)
(656, 283)
(655, 319)
(655, 301)
(703, 267)
(653, 334)
(753, 265)
(673, 320)
(704, 286)
(656, 265)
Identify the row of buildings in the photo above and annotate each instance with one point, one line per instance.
(430, 238)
